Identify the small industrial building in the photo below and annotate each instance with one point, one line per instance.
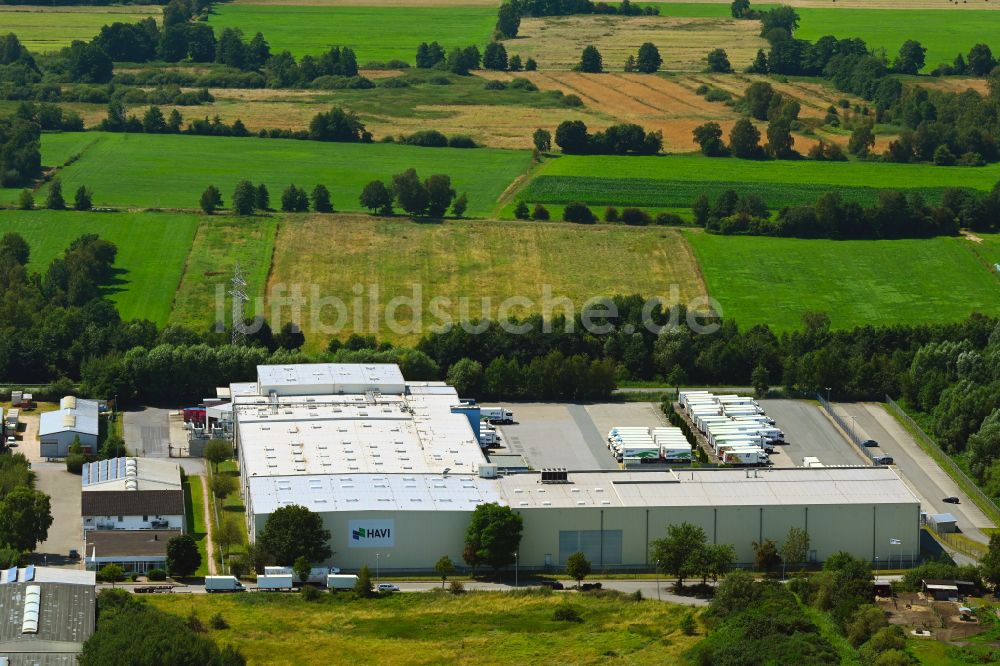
(47, 614)
(75, 418)
(131, 508)
(943, 522)
(394, 469)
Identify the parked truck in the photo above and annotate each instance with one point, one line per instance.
(341, 581)
(316, 574)
(275, 582)
(223, 584)
(496, 415)
(748, 456)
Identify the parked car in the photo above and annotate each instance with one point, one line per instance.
(551, 584)
(590, 586)
(11, 442)
(952, 500)
(74, 554)
(882, 460)
(871, 443)
(388, 587)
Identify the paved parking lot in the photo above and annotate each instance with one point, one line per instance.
(66, 531)
(808, 433)
(147, 432)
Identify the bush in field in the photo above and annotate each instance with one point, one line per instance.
(579, 213)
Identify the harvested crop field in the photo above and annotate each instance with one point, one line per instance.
(473, 260)
(47, 29)
(556, 41)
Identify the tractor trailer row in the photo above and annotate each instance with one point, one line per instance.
(736, 427)
(639, 445)
(278, 582)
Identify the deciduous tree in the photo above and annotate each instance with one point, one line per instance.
(294, 531)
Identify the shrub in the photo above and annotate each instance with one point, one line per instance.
(567, 614)
(521, 83)
(456, 587)
(635, 217)
(495, 84)
(393, 82)
(702, 89)
(218, 622)
(25, 200)
(688, 625)
(577, 212)
(521, 210)
(668, 219)
(571, 100)
(194, 623)
(717, 95)
(461, 141)
(439, 81)
(610, 214)
(540, 213)
(310, 593)
(427, 139)
(74, 463)
(156, 575)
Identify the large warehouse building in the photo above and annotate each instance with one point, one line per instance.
(395, 469)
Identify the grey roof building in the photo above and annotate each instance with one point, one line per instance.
(46, 615)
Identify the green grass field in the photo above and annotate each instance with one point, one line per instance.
(152, 249)
(44, 29)
(776, 280)
(194, 508)
(474, 628)
(676, 180)
(218, 244)
(474, 260)
(943, 32)
(164, 171)
(377, 33)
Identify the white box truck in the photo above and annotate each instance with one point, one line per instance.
(275, 582)
(223, 584)
(747, 456)
(675, 453)
(316, 574)
(496, 415)
(341, 581)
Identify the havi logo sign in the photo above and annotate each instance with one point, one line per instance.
(371, 533)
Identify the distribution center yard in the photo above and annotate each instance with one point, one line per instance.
(376, 33)
(474, 628)
(474, 260)
(677, 180)
(151, 251)
(46, 29)
(776, 280)
(120, 168)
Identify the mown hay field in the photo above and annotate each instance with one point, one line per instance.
(171, 171)
(431, 628)
(555, 42)
(152, 249)
(45, 29)
(775, 280)
(474, 260)
(376, 33)
(220, 242)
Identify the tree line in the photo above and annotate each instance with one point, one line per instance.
(894, 214)
(573, 138)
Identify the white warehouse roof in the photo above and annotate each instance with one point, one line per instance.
(74, 415)
(330, 378)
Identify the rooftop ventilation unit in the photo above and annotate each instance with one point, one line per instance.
(555, 475)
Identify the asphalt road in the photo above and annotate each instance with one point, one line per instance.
(808, 432)
(925, 477)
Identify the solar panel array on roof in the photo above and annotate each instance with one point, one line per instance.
(103, 470)
(10, 575)
(29, 573)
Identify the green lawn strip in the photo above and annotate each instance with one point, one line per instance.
(170, 171)
(376, 33)
(194, 507)
(776, 280)
(151, 251)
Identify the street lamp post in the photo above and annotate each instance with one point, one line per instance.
(876, 566)
(658, 581)
(854, 428)
(376, 568)
(828, 395)
(515, 568)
